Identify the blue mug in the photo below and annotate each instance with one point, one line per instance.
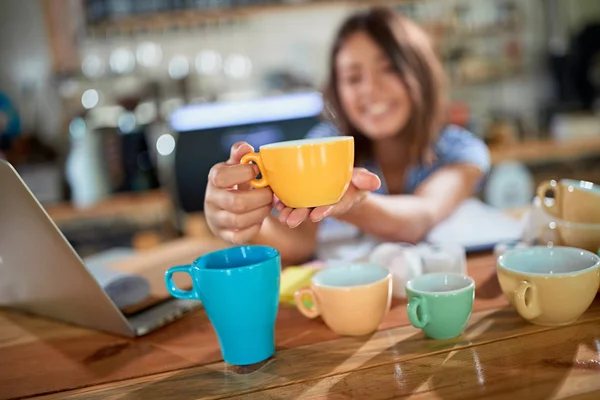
(239, 289)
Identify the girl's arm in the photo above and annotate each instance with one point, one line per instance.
(408, 218)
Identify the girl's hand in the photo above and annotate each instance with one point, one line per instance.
(362, 182)
(234, 211)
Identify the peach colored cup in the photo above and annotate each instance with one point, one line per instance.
(352, 299)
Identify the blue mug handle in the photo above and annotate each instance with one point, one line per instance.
(173, 289)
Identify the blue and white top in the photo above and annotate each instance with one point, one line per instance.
(454, 145)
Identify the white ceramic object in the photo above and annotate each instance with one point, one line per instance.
(447, 258)
(86, 170)
(402, 260)
(503, 247)
(509, 185)
(385, 252)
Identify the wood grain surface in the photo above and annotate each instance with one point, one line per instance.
(139, 206)
(549, 150)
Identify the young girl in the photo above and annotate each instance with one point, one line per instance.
(386, 88)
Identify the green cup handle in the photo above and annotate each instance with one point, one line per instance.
(173, 289)
(412, 307)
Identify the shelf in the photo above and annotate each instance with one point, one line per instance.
(193, 18)
(546, 151)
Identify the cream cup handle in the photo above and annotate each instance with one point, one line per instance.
(312, 312)
(555, 188)
(529, 310)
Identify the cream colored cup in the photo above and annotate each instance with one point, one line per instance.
(574, 201)
(352, 299)
(549, 286)
(563, 233)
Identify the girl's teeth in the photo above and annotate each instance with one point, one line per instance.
(378, 109)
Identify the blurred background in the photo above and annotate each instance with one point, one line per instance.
(113, 111)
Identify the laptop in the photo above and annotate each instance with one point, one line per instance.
(41, 274)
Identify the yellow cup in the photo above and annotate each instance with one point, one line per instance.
(549, 286)
(305, 173)
(352, 299)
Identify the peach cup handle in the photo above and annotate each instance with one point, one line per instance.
(311, 312)
(255, 158)
(550, 186)
(528, 311)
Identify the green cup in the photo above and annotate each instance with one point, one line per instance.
(440, 304)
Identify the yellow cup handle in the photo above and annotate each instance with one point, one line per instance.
(311, 312)
(529, 310)
(255, 157)
(550, 186)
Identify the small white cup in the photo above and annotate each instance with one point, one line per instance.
(503, 247)
(402, 260)
(446, 258)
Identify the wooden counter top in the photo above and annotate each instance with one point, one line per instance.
(499, 356)
(145, 206)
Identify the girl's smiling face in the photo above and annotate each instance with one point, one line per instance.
(370, 91)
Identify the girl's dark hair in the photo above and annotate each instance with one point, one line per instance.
(412, 55)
